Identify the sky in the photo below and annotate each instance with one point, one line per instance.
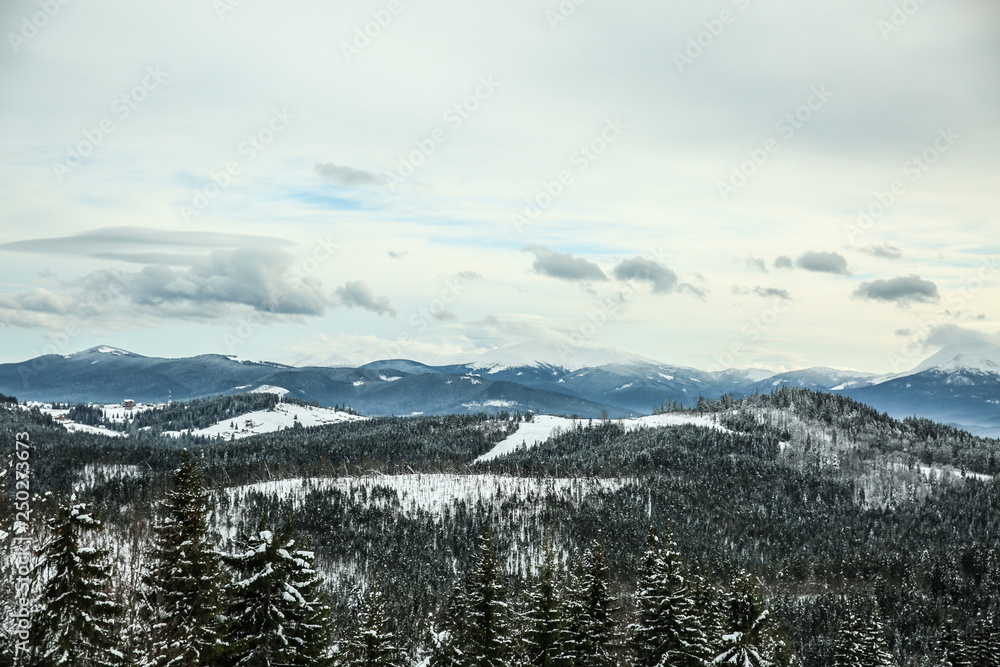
(749, 183)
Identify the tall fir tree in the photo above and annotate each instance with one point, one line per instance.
(373, 644)
(951, 650)
(545, 621)
(75, 623)
(449, 633)
(750, 639)
(183, 583)
(668, 630)
(275, 616)
(984, 645)
(849, 650)
(874, 647)
(596, 645)
(488, 640)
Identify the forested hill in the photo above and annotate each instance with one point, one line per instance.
(853, 523)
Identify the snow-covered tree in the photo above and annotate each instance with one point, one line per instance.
(850, 648)
(545, 621)
(749, 639)
(274, 612)
(592, 635)
(183, 581)
(75, 624)
(489, 641)
(373, 644)
(668, 630)
(874, 648)
(450, 630)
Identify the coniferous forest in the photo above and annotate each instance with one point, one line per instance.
(795, 528)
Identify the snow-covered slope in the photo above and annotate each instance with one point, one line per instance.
(974, 357)
(536, 354)
(282, 416)
(543, 427)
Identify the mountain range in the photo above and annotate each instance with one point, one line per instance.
(959, 385)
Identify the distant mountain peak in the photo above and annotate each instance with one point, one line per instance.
(107, 349)
(536, 354)
(975, 356)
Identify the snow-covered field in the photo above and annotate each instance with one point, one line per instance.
(428, 492)
(284, 415)
(543, 427)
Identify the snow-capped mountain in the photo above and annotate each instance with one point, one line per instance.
(958, 385)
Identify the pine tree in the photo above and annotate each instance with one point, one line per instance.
(596, 626)
(449, 635)
(850, 648)
(373, 645)
(750, 640)
(951, 650)
(75, 625)
(183, 581)
(668, 630)
(488, 643)
(984, 646)
(274, 611)
(874, 648)
(545, 621)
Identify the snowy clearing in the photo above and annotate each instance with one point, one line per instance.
(282, 416)
(428, 492)
(543, 427)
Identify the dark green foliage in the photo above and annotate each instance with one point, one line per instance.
(75, 624)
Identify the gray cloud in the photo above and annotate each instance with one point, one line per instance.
(902, 290)
(883, 250)
(357, 294)
(783, 262)
(659, 276)
(347, 176)
(103, 243)
(563, 265)
(769, 292)
(944, 335)
(823, 262)
(444, 316)
(396, 254)
(469, 275)
(756, 263)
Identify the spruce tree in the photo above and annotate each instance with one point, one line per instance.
(488, 640)
(668, 630)
(274, 615)
(373, 645)
(874, 648)
(449, 634)
(749, 639)
(75, 624)
(183, 582)
(596, 641)
(951, 650)
(546, 625)
(850, 647)
(984, 646)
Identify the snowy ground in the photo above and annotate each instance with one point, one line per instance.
(543, 427)
(428, 492)
(284, 415)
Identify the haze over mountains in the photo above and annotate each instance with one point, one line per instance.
(959, 385)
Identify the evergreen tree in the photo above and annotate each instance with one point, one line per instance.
(951, 650)
(75, 625)
(984, 646)
(373, 645)
(449, 637)
(850, 647)
(274, 611)
(874, 648)
(668, 630)
(183, 581)
(596, 626)
(546, 625)
(488, 640)
(749, 640)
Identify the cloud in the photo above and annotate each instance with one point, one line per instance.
(357, 294)
(444, 316)
(563, 266)
(347, 176)
(946, 335)
(902, 290)
(112, 242)
(783, 262)
(769, 292)
(396, 254)
(755, 263)
(469, 275)
(823, 262)
(662, 279)
(257, 277)
(884, 251)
